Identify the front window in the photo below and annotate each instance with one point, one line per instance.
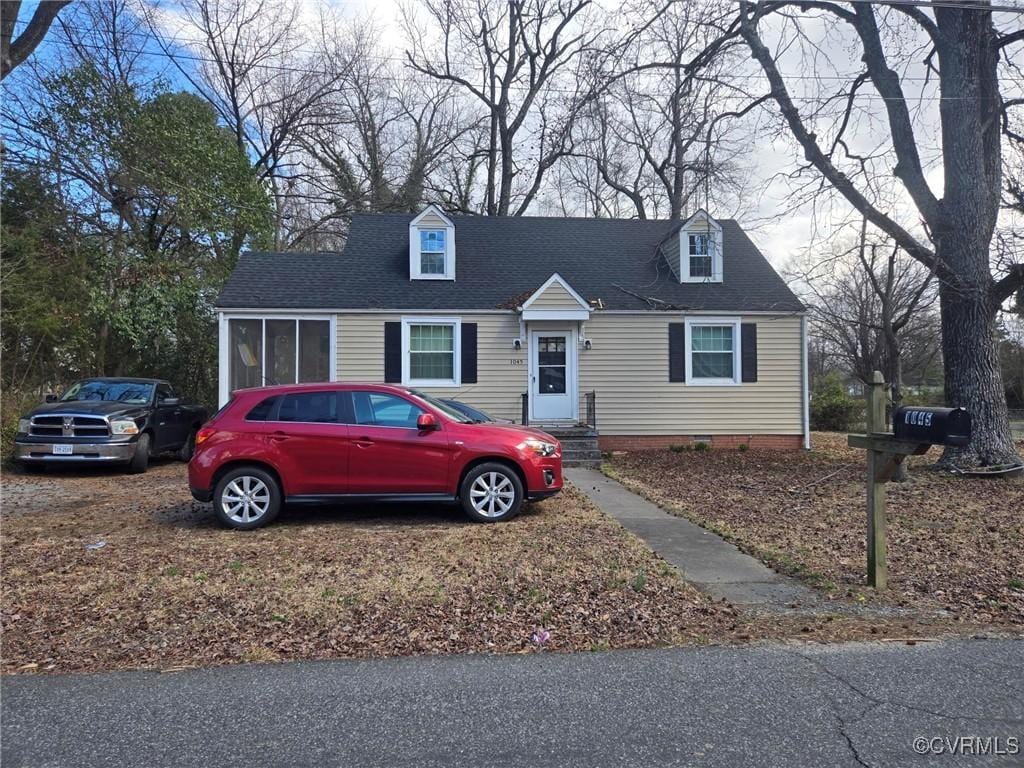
(431, 352)
(130, 392)
(713, 353)
(432, 252)
(278, 351)
(700, 256)
(379, 409)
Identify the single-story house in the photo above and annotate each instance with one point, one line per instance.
(658, 332)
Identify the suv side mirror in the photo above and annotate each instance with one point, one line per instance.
(51, 398)
(427, 422)
(170, 402)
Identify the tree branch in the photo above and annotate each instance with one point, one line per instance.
(814, 153)
(14, 53)
(1009, 285)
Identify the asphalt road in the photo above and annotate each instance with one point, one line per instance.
(850, 705)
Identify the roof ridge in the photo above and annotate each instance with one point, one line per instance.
(485, 217)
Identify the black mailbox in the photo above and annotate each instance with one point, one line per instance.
(941, 426)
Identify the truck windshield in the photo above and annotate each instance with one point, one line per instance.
(132, 392)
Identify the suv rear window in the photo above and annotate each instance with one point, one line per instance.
(262, 411)
(318, 407)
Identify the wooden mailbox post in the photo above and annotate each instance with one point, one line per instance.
(885, 453)
(917, 429)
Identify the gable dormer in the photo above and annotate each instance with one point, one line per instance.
(431, 246)
(700, 250)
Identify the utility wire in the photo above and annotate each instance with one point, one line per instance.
(392, 78)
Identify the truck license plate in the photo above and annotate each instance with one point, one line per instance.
(63, 450)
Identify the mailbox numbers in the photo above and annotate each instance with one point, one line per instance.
(918, 418)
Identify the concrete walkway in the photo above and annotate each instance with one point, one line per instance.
(703, 558)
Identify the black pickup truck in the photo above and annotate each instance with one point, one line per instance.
(109, 420)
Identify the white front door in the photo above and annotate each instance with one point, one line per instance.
(552, 375)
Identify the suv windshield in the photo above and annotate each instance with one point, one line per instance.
(132, 392)
(446, 409)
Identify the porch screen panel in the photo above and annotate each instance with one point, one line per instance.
(246, 354)
(280, 352)
(314, 350)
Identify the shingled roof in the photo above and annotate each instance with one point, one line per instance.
(498, 260)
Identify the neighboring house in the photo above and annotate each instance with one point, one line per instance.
(669, 331)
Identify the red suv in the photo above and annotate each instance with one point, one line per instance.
(332, 442)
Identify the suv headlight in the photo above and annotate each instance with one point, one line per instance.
(124, 427)
(540, 447)
(24, 425)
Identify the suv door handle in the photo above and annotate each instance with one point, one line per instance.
(363, 442)
(278, 436)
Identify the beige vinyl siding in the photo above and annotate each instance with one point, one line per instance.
(555, 297)
(500, 382)
(628, 368)
(431, 221)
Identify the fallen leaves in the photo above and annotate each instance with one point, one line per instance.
(955, 544)
(173, 590)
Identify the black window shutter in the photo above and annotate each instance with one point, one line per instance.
(393, 353)
(677, 351)
(748, 337)
(469, 353)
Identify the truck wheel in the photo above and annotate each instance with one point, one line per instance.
(246, 498)
(186, 451)
(140, 461)
(491, 493)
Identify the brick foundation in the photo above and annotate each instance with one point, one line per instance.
(652, 442)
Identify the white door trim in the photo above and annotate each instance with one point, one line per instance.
(571, 372)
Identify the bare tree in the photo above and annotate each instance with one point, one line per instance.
(14, 50)
(873, 306)
(960, 49)
(652, 135)
(267, 76)
(509, 57)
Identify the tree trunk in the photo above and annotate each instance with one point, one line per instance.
(972, 168)
(975, 381)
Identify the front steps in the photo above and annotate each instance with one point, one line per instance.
(579, 445)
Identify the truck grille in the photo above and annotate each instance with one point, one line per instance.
(69, 426)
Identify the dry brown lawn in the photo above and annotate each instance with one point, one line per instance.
(170, 588)
(955, 544)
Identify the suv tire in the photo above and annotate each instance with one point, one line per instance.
(491, 493)
(246, 497)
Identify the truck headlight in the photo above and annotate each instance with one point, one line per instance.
(24, 425)
(540, 447)
(124, 427)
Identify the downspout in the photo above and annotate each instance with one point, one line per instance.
(223, 360)
(805, 410)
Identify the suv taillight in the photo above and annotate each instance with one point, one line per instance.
(204, 434)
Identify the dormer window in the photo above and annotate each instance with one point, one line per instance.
(431, 246)
(700, 258)
(700, 250)
(432, 251)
